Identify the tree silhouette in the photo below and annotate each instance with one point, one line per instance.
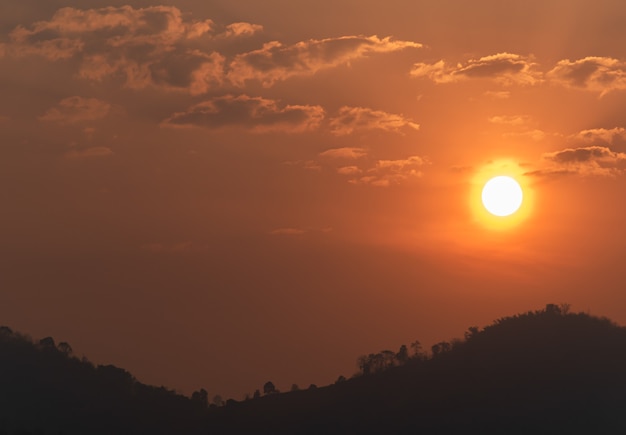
(363, 362)
(65, 348)
(403, 354)
(441, 347)
(416, 347)
(471, 332)
(47, 342)
(201, 397)
(269, 388)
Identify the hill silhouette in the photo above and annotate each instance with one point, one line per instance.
(546, 371)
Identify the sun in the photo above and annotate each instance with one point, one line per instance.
(502, 196)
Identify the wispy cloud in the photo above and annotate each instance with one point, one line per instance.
(89, 153)
(276, 61)
(388, 172)
(76, 109)
(349, 170)
(506, 68)
(254, 113)
(241, 29)
(344, 153)
(351, 119)
(515, 120)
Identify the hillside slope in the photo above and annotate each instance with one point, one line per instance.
(546, 371)
(540, 372)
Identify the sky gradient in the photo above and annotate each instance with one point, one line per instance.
(220, 193)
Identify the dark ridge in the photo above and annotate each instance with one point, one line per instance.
(44, 389)
(548, 371)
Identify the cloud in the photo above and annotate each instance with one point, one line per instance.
(88, 153)
(585, 161)
(400, 165)
(276, 62)
(598, 74)
(388, 172)
(241, 29)
(351, 119)
(344, 153)
(596, 136)
(505, 68)
(349, 170)
(77, 109)
(583, 155)
(153, 46)
(515, 120)
(254, 113)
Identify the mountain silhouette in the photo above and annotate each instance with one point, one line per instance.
(547, 371)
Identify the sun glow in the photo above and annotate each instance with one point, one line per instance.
(501, 197)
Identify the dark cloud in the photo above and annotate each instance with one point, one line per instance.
(254, 113)
(586, 161)
(155, 46)
(577, 155)
(598, 74)
(601, 136)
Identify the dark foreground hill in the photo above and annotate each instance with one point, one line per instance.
(547, 371)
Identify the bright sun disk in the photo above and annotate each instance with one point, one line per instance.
(502, 196)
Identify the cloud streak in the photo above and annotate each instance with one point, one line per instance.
(256, 114)
(77, 109)
(89, 153)
(277, 62)
(505, 68)
(352, 119)
(583, 161)
(344, 153)
(604, 136)
(387, 172)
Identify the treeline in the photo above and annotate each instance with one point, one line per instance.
(544, 371)
(540, 372)
(386, 359)
(45, 388)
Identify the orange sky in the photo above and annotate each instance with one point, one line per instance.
(220, 193)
